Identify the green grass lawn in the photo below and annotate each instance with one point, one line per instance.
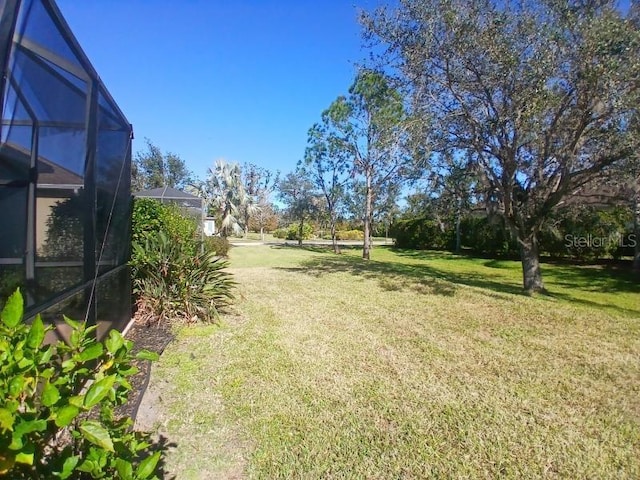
(412, 365)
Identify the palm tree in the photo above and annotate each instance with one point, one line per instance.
(224, 195)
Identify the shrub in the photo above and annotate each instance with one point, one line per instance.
(587, 233)
(349, 235)
(280, 233)
(50, 426)
(172, 277)
(488, 236)
(293, 232)
(172, 283)
(150, 217)
(217, 245)
(420, 233)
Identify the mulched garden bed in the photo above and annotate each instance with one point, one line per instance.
(145, 336)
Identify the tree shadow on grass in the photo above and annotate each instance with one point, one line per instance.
(602, 278)
(163, 445)
(597, 278)
(430, 279)
(394, 276)
(321, 248)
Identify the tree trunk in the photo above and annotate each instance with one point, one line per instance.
(300, 230)
(262, 233)
(458, 215)
(531, 274)
(366, 247)
(636, 229)
(334, 240)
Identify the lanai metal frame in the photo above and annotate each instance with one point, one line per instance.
(65, 163)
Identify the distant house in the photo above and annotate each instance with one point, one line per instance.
(191, 203)
(209, 226)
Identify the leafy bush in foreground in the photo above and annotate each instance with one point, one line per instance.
(172, 283)
(49, 427)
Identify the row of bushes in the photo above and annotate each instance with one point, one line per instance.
(349, 235)
(420, 234)
(293, 233)
(584, 233)
(176, 275)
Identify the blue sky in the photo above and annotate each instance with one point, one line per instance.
(241, 80)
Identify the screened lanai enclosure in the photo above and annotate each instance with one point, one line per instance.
(65, 160)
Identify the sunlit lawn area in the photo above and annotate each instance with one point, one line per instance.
(414, 365)
(252, 237)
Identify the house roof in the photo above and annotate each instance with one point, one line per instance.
(50, 173)
(16, 160)
(166, 193)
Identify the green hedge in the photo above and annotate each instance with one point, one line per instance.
(176, 276)
(292, 232)
(280, 233)
(150, 217)
(420, 234)
(589, 233)
(488, 236)
(583, 233)
(350, 235)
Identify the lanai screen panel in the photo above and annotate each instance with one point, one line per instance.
(65, 159)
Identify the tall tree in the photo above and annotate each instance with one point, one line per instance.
(328, 168)
(536, 92)
(224, 196)
(368, 127)
(384, 205)
(265, 219)
(636, 218)
(297, 192)
(452, 182)
(626, 178)
(259, 183)
(633, 171)
(153, 169)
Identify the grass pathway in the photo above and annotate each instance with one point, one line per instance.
(413, 365)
